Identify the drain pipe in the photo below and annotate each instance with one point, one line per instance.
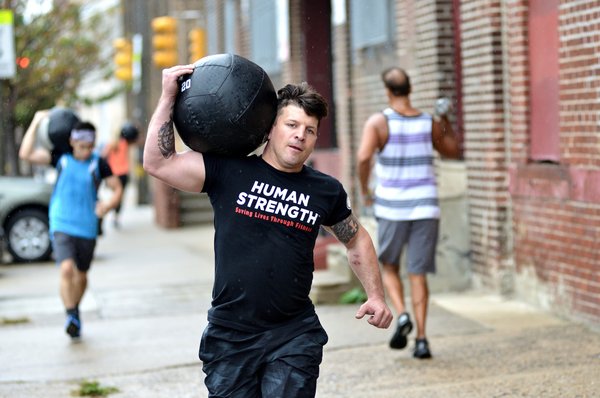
(350, 104)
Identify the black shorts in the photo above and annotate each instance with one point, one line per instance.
(81, 250)
(124, 178)
(282, 362)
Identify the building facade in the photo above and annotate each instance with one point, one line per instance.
(522, 208)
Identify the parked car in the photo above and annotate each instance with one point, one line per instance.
(24, 224)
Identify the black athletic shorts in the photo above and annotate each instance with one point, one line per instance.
(282, 362)
(81, 250)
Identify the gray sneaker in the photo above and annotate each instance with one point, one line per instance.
(404, 327)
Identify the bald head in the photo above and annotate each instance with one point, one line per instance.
(397, 81)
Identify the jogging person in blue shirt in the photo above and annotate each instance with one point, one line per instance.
(74, 209)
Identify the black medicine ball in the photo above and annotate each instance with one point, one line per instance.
(60, 123)
(226, 106)
(129, 132)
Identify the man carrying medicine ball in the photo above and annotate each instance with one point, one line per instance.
(263, 337)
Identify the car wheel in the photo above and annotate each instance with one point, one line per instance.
(28, 236)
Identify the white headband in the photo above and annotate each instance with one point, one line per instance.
(83, 135)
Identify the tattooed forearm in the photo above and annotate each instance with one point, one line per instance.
(166, 139)
(346, 230)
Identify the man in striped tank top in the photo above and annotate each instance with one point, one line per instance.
(399, 142)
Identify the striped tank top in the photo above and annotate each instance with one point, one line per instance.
(406, 186)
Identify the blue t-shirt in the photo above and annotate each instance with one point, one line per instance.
(266, 224)
(73, 204)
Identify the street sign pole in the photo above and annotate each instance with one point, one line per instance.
(8, 66)
(8, 70)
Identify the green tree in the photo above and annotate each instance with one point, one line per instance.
(62, 47)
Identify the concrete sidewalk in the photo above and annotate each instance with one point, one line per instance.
(146, 308)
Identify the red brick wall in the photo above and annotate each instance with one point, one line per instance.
(484, 124)
(557, 206)
(579, 84)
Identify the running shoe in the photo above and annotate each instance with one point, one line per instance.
(73, 326)
(421, 349)
(403, 328)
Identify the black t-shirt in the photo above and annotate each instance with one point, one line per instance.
(266, 224)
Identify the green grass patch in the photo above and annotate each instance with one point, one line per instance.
(354, 296)
(92, 388)
(13, 321)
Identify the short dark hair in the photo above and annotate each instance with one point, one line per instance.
(397, 81)
(304, 96)
(84, 126)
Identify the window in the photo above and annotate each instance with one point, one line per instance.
(544, 68)
(230, 24)
(263, 28)
(370, 22)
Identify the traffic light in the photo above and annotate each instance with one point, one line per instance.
(23, 62)
(197, 47)
(123, 59)
(164, 41)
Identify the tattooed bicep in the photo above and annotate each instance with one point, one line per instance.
(346, 229)
(166, 139)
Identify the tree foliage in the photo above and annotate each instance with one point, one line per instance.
(63, 46)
